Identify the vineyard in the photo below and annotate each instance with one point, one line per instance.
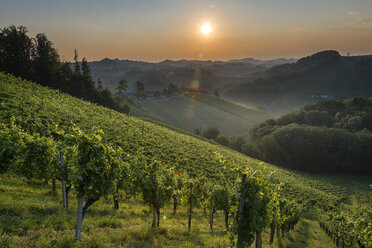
(98, 156)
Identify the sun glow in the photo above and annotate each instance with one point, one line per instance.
(206, 29)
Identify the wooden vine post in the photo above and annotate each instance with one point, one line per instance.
(272, 230)
(258, 239)
(64, 193)
(79, 219)
(154, 209)
(211, 219)
(226, 213)
(174, 205)
(241, 206)
(116, 197)
(54, 185)
(213, 210)
(190, 209)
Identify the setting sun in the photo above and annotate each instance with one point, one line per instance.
(206, 29)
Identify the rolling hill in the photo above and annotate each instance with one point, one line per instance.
(156, 76)
(29, 213)
(35, 108)
(277, 86)
(287, 87)
(189, 112)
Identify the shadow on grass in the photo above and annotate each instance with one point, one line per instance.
(297, 238)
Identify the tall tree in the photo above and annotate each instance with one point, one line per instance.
(141, 92)
(77, 69)
(66, 78)
(87, 82)
(46, 62)
(16, 51)
(211, 133)
(122, 87)
(99, 85)
(85, 70)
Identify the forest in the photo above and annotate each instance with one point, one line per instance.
(332, 136)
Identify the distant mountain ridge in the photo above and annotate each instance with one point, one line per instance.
(277, 86)
(267, 63)
(211, 75)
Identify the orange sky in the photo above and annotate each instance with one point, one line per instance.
(165, 29)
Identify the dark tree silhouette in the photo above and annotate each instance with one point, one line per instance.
(211, 133)
(141, 92)
(16, 49)
(46, 64)
(122, 87)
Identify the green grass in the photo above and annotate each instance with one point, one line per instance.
(306, 234)
(250, 114)
(189, 112)
(31, 215)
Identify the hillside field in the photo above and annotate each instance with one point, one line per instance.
(31, 216)
(189, 112)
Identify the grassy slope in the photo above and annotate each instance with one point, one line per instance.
(187, 112)
(32, 216)
(37, 107)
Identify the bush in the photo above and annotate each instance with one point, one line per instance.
(223, 140)
(211, 133)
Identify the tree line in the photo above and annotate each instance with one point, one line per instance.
(213, 133)
(36, 59)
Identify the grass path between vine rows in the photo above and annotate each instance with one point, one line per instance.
(306, 234)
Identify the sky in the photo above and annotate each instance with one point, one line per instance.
(155, 30)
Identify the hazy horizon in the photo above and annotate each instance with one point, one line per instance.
(228, 59)
(159, 30)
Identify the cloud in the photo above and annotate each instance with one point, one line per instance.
(365, 22)
(352, 13)
(361, 23)
(298, 29)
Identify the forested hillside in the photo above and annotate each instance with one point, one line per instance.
(284, 88)
(330, 136)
